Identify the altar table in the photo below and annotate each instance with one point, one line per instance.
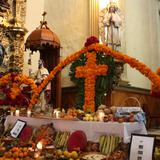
(92, 129)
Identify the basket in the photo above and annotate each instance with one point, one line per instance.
(124, 109)
(134, 100)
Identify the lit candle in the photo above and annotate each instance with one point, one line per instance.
(28, 113)
(11, 113)
(36, 154)
(56, 113)
(101, 115)
(39, 145)
(17, 113)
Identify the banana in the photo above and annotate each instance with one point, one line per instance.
(108, 145)
(111, 144)
(101, 141)
(104, 144)
(56, 138)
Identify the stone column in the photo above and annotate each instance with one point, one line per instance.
(93, 17)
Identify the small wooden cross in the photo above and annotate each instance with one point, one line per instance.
(44, 14)
(90, 71)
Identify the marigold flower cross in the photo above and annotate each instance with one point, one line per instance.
(90, 71)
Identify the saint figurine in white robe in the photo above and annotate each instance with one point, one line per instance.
(112, 23)
(41, 74)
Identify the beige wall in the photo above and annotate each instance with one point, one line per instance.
(141, 40)
(69, 19)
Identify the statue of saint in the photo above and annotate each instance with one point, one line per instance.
(41, 74)
(112, 23)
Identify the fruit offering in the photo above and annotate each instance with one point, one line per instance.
(61, 139)
(89, 117)
(157, 153)
(92, 147)
(108, 143)
(2, 150)
(77, 140)
(17, 153)
(59, 154)
(120, 153)
(46, 134)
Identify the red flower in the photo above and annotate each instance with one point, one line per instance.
(91, 40)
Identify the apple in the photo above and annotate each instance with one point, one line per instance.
(121, 120)
(131, 119)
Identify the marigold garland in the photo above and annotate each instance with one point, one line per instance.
(134, 63)
(155, 91)
(11, 84)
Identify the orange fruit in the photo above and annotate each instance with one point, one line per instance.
(25, 154)
(8, 154)
(15, 154)
(20, 154)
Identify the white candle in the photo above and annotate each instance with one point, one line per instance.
(101, 116)
(28, 113)
(56, 113)
(11, 113)
(17, 113)
(36, 154)
(39, 145)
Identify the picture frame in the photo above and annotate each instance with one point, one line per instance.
(17, 128)
(141, 147)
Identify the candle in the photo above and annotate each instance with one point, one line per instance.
(36, 154)
(28, 113)
(11, 113)
(17, 113)
(39, 145)
(101, 115)
(56, 113)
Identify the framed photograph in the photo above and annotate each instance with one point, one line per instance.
(141, 147)
(17, 128)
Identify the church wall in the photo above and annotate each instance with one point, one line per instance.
(69, 20)
(141, 37)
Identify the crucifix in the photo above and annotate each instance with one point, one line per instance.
(90, 72)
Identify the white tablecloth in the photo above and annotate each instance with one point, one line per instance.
(92, 129)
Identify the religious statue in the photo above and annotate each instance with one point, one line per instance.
(112, 23)
(41, 74)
